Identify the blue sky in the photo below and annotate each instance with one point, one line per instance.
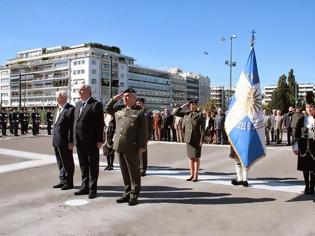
(165, 33)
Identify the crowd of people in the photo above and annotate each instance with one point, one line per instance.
(125, 129)
(19, 122)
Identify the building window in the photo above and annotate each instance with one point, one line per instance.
(93, 81)
(93, 71)
(93, 62)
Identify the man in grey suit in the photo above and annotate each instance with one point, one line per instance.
(88, 131)
(130, 142)
(63, 141)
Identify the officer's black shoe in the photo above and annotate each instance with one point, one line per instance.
(111, 167)
(235, 182)
(123, 199)
(92, 195)
(67, 186)
(60, 185)
(82, 192)
(133, 202)
(306, 191)
(143, 173)
(245, 183)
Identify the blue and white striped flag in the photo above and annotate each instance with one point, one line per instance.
(244, 122)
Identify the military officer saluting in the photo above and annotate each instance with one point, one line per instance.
(130, 142)
(194, 132)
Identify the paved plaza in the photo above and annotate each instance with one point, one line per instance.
(168, 205)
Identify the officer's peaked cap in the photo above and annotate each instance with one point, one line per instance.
(129, 90)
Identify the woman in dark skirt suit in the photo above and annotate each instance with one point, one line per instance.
(194, 132)
(304, 145)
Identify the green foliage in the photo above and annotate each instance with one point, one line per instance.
(210, 105)
(105, 47)
(293, 86)
(280, 99)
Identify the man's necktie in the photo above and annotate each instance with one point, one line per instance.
(81, 107)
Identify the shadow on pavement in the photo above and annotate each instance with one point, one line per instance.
(165, 194)
(301, 198)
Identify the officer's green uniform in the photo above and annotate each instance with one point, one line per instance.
(194, 131)
(131, 135)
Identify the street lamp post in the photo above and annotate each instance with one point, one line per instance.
(230, 62)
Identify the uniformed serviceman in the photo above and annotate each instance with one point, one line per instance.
(35, 121)
(11, 124)
(4, 121)
(194, 132)
(49, 121)
(130, 142)
(16, 121)
(304, 145)
(25, 117)
(144, 158)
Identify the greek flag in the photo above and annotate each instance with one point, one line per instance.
(244, 122)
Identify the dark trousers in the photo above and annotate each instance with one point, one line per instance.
(130, 170)
(218, 133)
(89, 159)
(65, 164)
(49, 128)
(272, 131)
(16, 128)
(144, 161)
(34, 128)
(289, 131)
(11, 127)
(4, 129)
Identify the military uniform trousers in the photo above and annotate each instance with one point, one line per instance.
(130, 169)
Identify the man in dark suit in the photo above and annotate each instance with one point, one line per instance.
(130, 142)
(63, 141)
(88, 130)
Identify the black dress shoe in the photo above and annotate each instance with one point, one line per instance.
(245, 183)
(82, 192)
(123, 199)
(235, 182)
(143, 173)
(67, 186)
(195, 180)
(92, 195)
(190, 178)
(133, 202)
(306, 191)
(106, 168)
(111, 168)
(60, 185)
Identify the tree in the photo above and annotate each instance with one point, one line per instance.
(293, 87)
(280, 98)
(209, 105)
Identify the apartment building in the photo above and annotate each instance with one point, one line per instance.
(40, 73)
(34, 77)
(4, 87)
(303, 89)
(152, 85)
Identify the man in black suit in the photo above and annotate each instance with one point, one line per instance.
(88, 137)
(63, 141)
